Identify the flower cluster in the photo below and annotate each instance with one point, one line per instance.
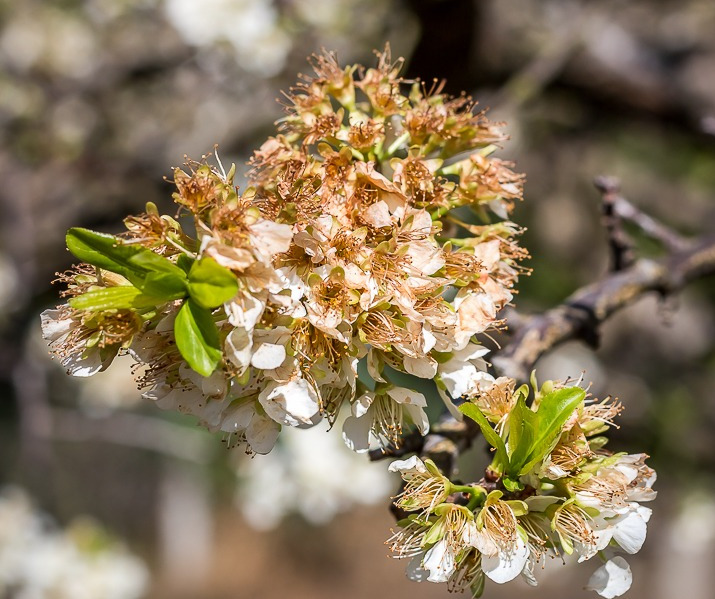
(552, 488)
(251, 310)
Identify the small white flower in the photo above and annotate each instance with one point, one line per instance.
(383, 415)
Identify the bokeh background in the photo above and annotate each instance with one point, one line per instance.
(100, 98)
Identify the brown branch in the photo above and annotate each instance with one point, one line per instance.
(620, 244)
(581, 315)
(617, 208)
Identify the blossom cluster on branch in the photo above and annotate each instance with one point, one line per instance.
(552, 488)
(375, 230)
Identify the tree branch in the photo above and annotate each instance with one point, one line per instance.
(581, 314)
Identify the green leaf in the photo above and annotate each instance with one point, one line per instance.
(522, 428)
(185, 262)
(197, 338)
(554, 410)
(110, 298)
(211, 284)
(112, 253)
(492, 437)
(164, 285)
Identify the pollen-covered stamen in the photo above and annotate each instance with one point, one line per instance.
(365, 135)
(607, 487)
(462, 266)
(319, 126)
(456, 520)
(571, 451)
(331, 294)
(420, 184)
(489, 179)
(79, 279)
(147, 229)
(114, 328)
(407, 540)
(468, 572)
(603, 412)
(379, 330)
(311, 344)
(573, 523)
(348, 246)
(496, 401)
(423, 491)
(202, 188)
(499, 524)
(388, 416)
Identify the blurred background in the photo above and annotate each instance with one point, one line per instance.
(100, 98)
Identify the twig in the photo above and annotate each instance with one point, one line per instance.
(620, 208)
(581, 315)
(619, 243)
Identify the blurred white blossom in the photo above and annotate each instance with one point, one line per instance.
(38, 561)
(251, 26)
(309, 473)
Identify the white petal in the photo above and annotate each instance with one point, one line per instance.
(291, 403)
(238, 348)
(83, 365)
(362, 404)
(612, 579)
(413, 463)
(262, 434)
(440, 562)
(268, 356)
(270, 238)
(458, 377)
(407, 396)
(418, 417)
(506, 566)
(630, 532)
(424, 367)
(238, 416)
(52, 326)
(356, 433)
(378, 215)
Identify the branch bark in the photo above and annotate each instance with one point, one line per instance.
(581, 314)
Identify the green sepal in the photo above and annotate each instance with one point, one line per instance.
(512, 485)
(434, 534)
(197, 338)
(520, 508)
(211, 284)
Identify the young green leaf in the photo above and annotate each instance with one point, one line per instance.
(165, 286)
(554, 410)
(522, 430)
(112, 253)
(211, 284)
(492, 437)
(110, 298)
(197, 338)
